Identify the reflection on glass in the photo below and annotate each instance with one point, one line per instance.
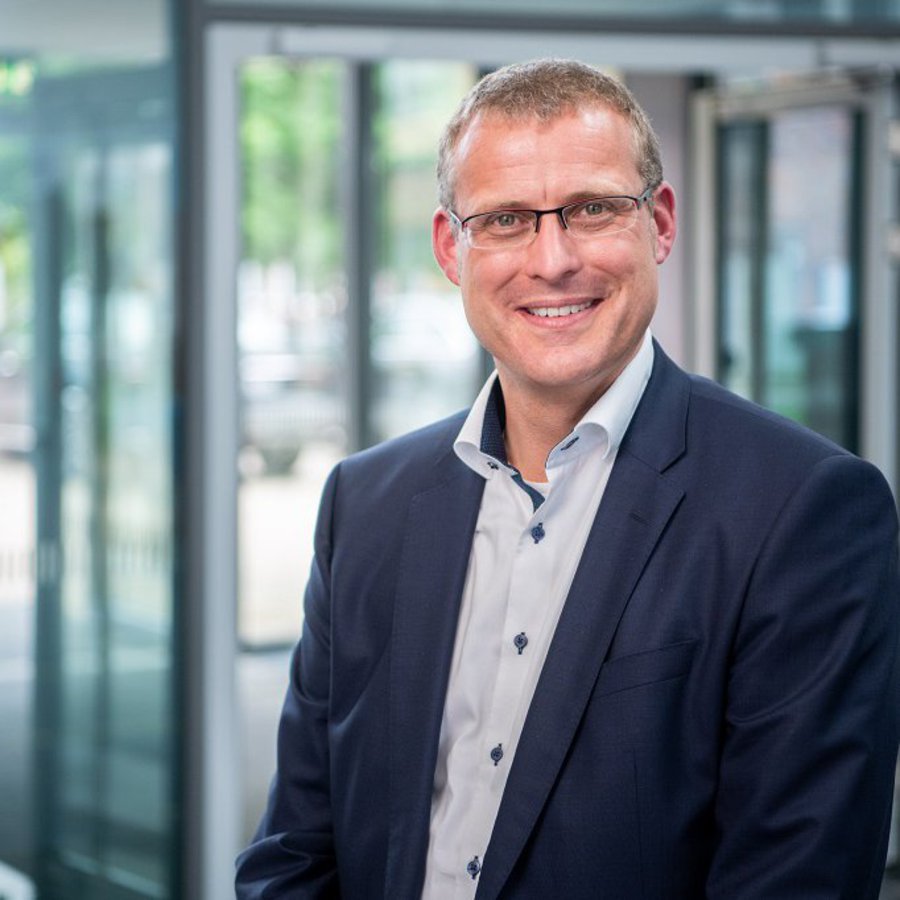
(810, 310)
(788, 264)
(424, 357)
(293, 378)
(106, 707)
(17, 482)
(291, 332)
(741, 201)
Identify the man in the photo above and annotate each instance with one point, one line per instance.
(615, 633)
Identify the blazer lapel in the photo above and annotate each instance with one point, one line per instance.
(439, 528)
(638, 502)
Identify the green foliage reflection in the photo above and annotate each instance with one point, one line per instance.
(290, 127)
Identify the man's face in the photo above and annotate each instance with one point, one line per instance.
(611, 280)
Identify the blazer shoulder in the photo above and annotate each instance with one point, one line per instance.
(727, 445)
(757, 457)
(685, 418)
(406, 464)
(734, 422)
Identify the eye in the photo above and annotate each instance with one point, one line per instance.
(593, 208)
(504, 219)
(600, 214)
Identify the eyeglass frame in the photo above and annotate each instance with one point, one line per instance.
(642, 200)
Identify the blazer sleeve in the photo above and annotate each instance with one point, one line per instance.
(811, 721)
(292, 854)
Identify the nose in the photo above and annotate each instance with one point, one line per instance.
(552, 255)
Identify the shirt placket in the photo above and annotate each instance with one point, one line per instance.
(525, 619)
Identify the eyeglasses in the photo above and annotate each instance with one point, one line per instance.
(502, 229)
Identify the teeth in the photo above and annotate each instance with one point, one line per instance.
(554, 311)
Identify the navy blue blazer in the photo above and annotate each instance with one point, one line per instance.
(718, 713)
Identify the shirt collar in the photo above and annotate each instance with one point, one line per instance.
(470, 443)
(606, 422)
(480, 444)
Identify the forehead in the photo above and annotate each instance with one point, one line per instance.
(501, 159)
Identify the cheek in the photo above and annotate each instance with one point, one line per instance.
(635, 268)
(481, 282)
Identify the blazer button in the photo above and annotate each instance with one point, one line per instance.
(474, 867)
(497, 753)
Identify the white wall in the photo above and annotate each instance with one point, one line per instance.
(665, 99)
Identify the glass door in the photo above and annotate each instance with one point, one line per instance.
(105, 710)
(347, 332)
(794, 280)
(17, 479)
(789, 262)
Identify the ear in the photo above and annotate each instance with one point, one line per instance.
(665, 221)
(444, 244)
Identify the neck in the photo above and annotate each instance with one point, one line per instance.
(536, 423)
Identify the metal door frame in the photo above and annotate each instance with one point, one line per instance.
(229, 34)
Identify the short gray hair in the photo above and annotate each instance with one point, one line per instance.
(545, 89)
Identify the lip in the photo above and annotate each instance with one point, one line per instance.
(557, 321)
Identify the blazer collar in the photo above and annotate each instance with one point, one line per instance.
(658, 432)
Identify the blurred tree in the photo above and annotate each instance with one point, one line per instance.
(290, 128)
(15, 255)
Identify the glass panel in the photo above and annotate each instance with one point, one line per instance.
(741, 198)
(424, 358)
(17, 479)
(292, 337)
(810, 312)
(139, 525)
(788, 267)
(107, 746)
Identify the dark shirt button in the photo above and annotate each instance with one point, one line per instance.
(538, 532)
(493, 465)
(521, 641)
(573, 441)
(497, 753)
(473, 867)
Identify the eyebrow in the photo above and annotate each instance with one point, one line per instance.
(574, 197)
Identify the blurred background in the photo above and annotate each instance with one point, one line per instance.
(216, 280)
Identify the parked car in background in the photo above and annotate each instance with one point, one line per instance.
(17, 433)
(292, 393)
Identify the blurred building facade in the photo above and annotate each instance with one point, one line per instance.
(216, 280)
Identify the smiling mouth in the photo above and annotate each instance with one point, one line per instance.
(552, 312)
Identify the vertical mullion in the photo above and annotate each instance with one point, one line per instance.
(213, 779)
(856, 237)
(47, 280)
(723, 315)
(359, 211)
(892, 279)
(99, 507)
(758, 280)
